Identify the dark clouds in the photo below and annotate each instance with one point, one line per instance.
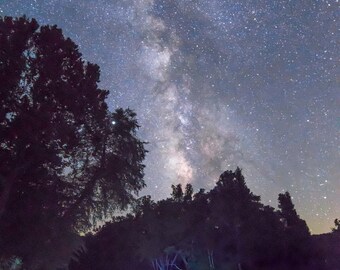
(218, 84)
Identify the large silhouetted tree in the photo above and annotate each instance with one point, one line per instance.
(65, 160)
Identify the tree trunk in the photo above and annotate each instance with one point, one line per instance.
(211, 259)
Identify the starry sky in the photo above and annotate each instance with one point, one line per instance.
(218, 84)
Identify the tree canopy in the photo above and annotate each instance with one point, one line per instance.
(66, 160)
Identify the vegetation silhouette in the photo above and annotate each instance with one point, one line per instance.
(225, 228)
(67, 162)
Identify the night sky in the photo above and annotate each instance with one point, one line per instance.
(218, 84)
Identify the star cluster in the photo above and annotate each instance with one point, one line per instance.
(218, 84)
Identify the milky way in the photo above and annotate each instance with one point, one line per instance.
(218, 84)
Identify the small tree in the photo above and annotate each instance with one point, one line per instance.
(289, 215)
(336, 225)
(296, 233)
(189, 191)
(177, 192)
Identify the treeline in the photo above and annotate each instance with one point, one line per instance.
(225, 228)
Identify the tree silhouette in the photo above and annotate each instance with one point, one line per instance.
(336, 225)
(189, 191)
(66, 161)
(297, 240)
(177, 192)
